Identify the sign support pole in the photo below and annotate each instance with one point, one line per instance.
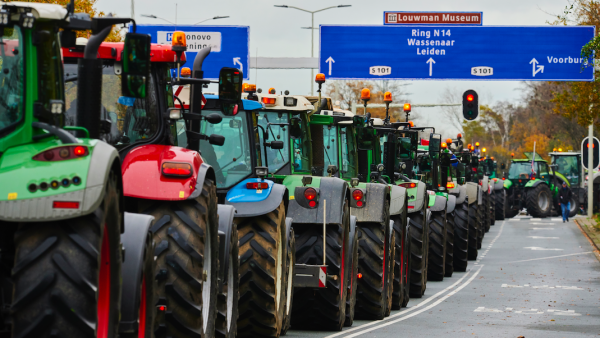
(590, 165)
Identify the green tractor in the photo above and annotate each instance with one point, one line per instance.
(568, 165)
(65, 233)
(531, 184)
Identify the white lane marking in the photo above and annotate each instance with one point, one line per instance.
(543, 228)
(540, 237)
(556, 219)
(529, 312)
(544, 287)
(484, 309)
(482, 255)
(565, 313)
(420, 311)
(540, 223)
(536, 248)
(537, 259)
(536, 219)
(402, 312)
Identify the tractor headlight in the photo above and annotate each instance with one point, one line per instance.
(261, 171)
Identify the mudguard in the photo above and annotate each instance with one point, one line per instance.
(331, 189)
(350, 250)
(451, 204)
(134, 239)
(460, 192)
(226, 214)
(375, 196)
(397, 199)
(485, 184)
(507, 184)
(534, 183)
(499, 185)
(417, 201)
(205, 171)
(439, 204)
(250, 208)
(472, 192)
(143, 178)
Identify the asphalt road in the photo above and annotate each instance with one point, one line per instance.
(533, 278)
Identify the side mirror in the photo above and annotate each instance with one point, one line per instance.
(276, 145)
(435, 143)
(174, 113)
(234, 124)
(217, 140)
(230, 89)
(213, 118)
(332, 169)
(136, 65)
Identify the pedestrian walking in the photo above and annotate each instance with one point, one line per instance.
(564, 200)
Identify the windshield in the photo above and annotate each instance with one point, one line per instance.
(568, 166)
(522, 170)
(129, 120)
(349, 156)
(301, 147)
(11, 83)
(232, 161)
(405, 148)
(277, 158)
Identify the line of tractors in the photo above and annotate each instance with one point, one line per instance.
(132, 204)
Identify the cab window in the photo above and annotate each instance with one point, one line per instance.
(329, 148)
(349, 155)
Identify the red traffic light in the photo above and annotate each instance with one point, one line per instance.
(470, 97)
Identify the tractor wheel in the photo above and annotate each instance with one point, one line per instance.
(500, 204)
(67, 274)
(481, 226)
(262, 273)
(461, 236)
(486, 213)
(406, 269)
(352, 282)
(450, 233)
(323, 308)
(229, 295)
(289, 289)
(492, 200)
(574, 206)
(418, 235)
(539, 201)
(437, 246)
(187, 258)
(400, 261)
(374, 251)
(390, 262)
(474, 225)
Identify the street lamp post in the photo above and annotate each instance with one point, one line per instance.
(312, 35)
(201, 21)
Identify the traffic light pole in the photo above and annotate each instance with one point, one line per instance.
(590, 175)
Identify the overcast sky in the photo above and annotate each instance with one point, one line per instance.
(277, 32)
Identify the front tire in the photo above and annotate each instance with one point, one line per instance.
(437, 246)
(229, 295)
(67, 274)
(461, 237)
(574, 206)
(539, 201)
(492, 201)
(450, 233)
(500, 204)
(474, 225)
(352, 283)
(418, 235)
(400, 287)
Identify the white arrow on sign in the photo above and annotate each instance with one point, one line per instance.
(535, 65)
(330, 61)
(236, 61)
(430, 62)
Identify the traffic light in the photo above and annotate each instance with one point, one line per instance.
(470, 105)
(584, 152)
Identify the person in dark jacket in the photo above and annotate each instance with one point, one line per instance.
(564, 200)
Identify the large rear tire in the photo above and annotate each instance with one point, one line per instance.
(187, 258)
(437, 246)
(374, 252)
(400, 261)
(486, 214)
(324, 308)
(474, 225)
(492, 200)
(500, 204)
(450, 233)
(67, 274)
(262, 273)
(418, 234)
(461, 237)
(289, 289)
(229, 295)
(539, 201)
(352, 282)
(482, 221)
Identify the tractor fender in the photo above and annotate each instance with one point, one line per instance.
(417, 201)
(507, 184)
(143, 178)
(226, 214)
(205, 171)
(331, 189)
(462, 196)
(451, 204)
(499, 185)
(249, 208)
(472, 192)
(397, 199)
(439, 204)
(134, 240)
(375, 195)
(485, 181)
(534, 183)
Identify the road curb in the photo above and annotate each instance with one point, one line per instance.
(594, 246)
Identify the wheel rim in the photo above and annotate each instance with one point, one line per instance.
(543, 201)
(279, 275)
(206, 286)
(103, 309)
(229, 294)
(142, 318)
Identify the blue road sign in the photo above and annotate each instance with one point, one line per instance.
(549, 53)
(230, 45)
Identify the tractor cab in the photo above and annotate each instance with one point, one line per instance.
(569, 165)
